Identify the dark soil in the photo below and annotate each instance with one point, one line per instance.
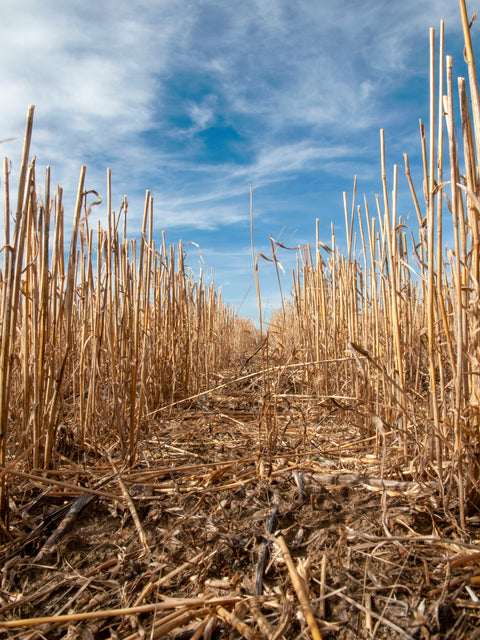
(377, 554)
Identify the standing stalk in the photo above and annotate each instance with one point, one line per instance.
(430, 197)
(9, 320)
(458, 429)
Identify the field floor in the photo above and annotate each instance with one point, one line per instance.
(194, 542)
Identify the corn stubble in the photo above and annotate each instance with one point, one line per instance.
(390, 327)
(103, 341)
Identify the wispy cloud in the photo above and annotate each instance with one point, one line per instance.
(196, 99)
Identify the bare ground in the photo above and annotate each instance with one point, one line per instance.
(187, 544)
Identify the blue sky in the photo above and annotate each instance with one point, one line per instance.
(197, 99)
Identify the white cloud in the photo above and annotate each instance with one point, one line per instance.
(272, 164)
(202, 114)
(304, 85)
(98, 68)
(204, 217)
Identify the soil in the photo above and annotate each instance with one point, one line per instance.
(187, 543)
